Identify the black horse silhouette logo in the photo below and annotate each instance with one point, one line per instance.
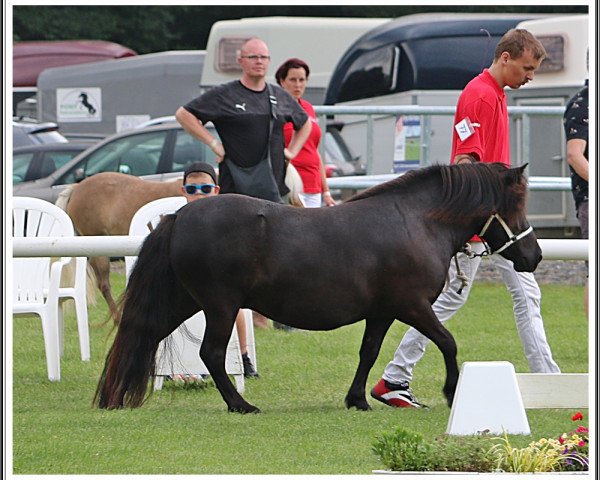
(83, 98)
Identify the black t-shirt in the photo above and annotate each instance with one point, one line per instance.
(575, 121)
(241, 117)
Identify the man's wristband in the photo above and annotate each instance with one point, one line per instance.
(327, 192)
(213, 144)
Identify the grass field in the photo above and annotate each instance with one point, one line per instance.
(304, 427)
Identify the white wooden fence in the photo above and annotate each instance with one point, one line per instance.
(125, 245)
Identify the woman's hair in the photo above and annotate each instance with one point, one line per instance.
(282, 72)
(515, 41)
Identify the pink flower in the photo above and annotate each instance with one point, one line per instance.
(582, 430)
(577, 416)
(561, 440)
(582, 443)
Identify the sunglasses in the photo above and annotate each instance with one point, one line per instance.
(202, 189)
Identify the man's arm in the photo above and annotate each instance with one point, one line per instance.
(575, 157)
(195, 128)
(297, 141)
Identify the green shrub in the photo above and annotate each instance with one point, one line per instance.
(462, 454)
(403, 450)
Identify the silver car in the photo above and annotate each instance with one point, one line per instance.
(153, 153)
(159, 151)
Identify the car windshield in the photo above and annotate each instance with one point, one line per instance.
(135, 155)
(189, 150)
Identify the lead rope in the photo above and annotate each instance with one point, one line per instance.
(464, 280)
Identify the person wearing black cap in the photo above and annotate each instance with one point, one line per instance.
(200, 181)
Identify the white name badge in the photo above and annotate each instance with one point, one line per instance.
(465, 128)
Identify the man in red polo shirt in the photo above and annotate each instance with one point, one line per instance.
(481, 135)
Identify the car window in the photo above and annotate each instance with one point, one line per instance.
(58, 159)
(21, 162)
(188, 150)
(369, 76)
(135, 155)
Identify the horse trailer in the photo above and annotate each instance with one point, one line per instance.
(99, 99)
(319, 41)
(30, 58)
(561, 75)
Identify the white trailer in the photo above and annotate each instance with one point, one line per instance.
(319, 41)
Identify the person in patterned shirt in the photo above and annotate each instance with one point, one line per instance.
(575, 121)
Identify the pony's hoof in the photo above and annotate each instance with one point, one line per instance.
(244, 409)
(358, 404)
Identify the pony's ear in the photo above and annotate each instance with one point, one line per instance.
(514, 175)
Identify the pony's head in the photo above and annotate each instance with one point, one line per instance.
(507, 231)
(493, 198)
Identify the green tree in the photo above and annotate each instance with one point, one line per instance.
(148, 29)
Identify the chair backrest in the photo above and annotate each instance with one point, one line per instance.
(33, 217)
(148, 217)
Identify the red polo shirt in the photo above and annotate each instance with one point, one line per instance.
(308, 161)
(484, 103)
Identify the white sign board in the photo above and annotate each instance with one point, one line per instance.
(79, 104)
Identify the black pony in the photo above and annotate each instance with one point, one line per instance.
(382, 255)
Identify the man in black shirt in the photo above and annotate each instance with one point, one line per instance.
(241, 113)
(576, 129)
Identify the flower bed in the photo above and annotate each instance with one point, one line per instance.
(403, 450)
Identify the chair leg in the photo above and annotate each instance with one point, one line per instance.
(240, 386)
(61, 328)
(83, 328)
(250, 342)
(50, 328)
(80, 298)
(158, 382)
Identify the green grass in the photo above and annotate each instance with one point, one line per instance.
(304, 427)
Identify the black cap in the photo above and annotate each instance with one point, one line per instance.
(200, 167)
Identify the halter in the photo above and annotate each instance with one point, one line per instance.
(512, 238)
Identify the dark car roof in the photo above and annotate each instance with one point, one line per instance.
(31, 57)
(412, 28)
(436, 25)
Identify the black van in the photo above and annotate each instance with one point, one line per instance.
(432, 51)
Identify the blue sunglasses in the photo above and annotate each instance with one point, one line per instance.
(202, 189)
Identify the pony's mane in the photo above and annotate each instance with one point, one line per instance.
(467, 190)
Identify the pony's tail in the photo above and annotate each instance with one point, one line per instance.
(146, 306)
(64, 197)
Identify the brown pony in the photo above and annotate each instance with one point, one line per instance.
(105, 203)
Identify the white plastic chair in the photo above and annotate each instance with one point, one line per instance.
(188, 361)
(36, 281)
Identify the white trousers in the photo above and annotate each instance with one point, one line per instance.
(311, 200)
(526, 298)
